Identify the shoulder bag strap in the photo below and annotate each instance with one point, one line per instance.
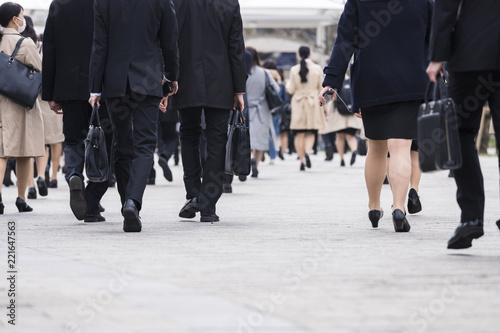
(18, 45)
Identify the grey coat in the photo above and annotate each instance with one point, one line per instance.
(261, 121)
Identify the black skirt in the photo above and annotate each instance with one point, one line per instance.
(391, 121)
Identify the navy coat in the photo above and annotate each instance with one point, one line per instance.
(389, 41)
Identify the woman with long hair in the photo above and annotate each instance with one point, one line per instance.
(388, 83)
(22, 126)
(259, 113)
(307, 117)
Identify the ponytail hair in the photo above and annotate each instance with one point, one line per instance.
(7, 11)
(304, 52)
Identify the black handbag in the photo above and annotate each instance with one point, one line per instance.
(438, 137)
(96, 155)
(238, 151)
(343, 101)
(19, 82)
(272, 96)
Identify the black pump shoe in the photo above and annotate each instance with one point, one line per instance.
(353, 157)
(32, 193)
(400, 222)
(308, 161)
(414, 204)
(42, 187)
(375, 216)
(302, 167)
(22, 206)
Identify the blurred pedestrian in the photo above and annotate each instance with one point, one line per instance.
(307, 117)
(212, 79)
(276, 114)
(465, 36)
(21, 128)
(259, 113)
(382, 91)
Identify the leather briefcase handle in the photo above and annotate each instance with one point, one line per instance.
(95, 116)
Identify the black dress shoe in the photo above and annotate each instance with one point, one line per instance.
(342, 163)
(375, 216)
(465, 233)
(190, 208)
(308, 162)
(400, 222)
(242, 178)
(132, 222)
(32, 193)
(101, 209)
(210, 218)
(42, 187)
(353, 157)
(22, 206)
(414, 204)
(255, 172)
(76, 199)
(227, 188)
(95, 218)
(53, 183)
(302, 167)
(167, 173)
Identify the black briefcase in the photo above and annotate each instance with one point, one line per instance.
(438, 137)
(19, 82)
(96, 155)
(238, 151)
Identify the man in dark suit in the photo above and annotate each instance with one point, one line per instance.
(135, 46)
(465, 35)
(212, 78)
(67, 45)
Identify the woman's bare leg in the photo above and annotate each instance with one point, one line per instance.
(56, 158)
(300, 146)
(375, 169)
(400, 170)
(23, 170)
(416, 173)
(340, 143)
(283, 142)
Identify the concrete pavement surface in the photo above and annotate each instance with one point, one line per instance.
(294, 252)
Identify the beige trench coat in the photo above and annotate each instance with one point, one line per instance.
(21, 129)
(337, 122)
(306, 112)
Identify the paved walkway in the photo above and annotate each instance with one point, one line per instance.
(294, 252)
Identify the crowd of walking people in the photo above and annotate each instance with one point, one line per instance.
(165, 82)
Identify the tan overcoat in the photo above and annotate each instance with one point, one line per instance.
(21, 129)
(306, 112)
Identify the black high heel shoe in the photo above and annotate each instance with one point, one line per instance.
(414, 204)
(22, 206)
(375, 216)
(400, 222)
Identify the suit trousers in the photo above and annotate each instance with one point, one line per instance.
(470, 91)
(76, 118)
(209, 190)
(134, 119)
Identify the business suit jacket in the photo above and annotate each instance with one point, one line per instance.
(65, 73)
(135, 42)
(468, 40)
(212, 53)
